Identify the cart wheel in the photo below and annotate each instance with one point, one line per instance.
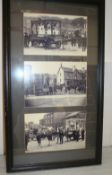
(44, 44)
(35, 44)
(30, 44)
(58, 44)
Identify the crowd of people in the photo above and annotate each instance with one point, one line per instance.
(78, 87)
(60, 136)
(74, 41)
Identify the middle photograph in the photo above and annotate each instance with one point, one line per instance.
(55, 84)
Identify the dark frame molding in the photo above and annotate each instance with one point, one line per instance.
(7, 92)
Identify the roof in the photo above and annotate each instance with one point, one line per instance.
(66, 69)
(73, 115)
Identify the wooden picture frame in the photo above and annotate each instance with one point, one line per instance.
(53, 80)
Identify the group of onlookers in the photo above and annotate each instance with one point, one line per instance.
(75, 39)
(55, 135)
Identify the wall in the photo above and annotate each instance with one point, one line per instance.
(107, 133)
(107, 126)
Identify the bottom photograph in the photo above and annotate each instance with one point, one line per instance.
(54, 131)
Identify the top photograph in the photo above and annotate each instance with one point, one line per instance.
(56, 35)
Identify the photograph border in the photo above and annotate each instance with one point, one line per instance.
(58, 140)
(58, 93)
(62, 49)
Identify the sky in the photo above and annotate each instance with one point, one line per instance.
(35, 118)
(53, 15)
(52, 67)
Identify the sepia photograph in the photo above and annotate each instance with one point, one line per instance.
(56, 131)
(55, 84)
(52, 34)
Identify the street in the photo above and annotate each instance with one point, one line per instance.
(56, 100)
(54, 146)
(67, 49)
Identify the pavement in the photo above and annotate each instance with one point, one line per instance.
(67, 50)
(56, 100)
(54, 146)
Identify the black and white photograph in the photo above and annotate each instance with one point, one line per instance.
(56, 131)
(52, 34)
(55, 84)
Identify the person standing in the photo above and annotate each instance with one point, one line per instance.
(77, 135)
(82, 134)
(57, 133)
(39, 138)
(61, 135)
(26, 139)
(26, 40)
(49, 137)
